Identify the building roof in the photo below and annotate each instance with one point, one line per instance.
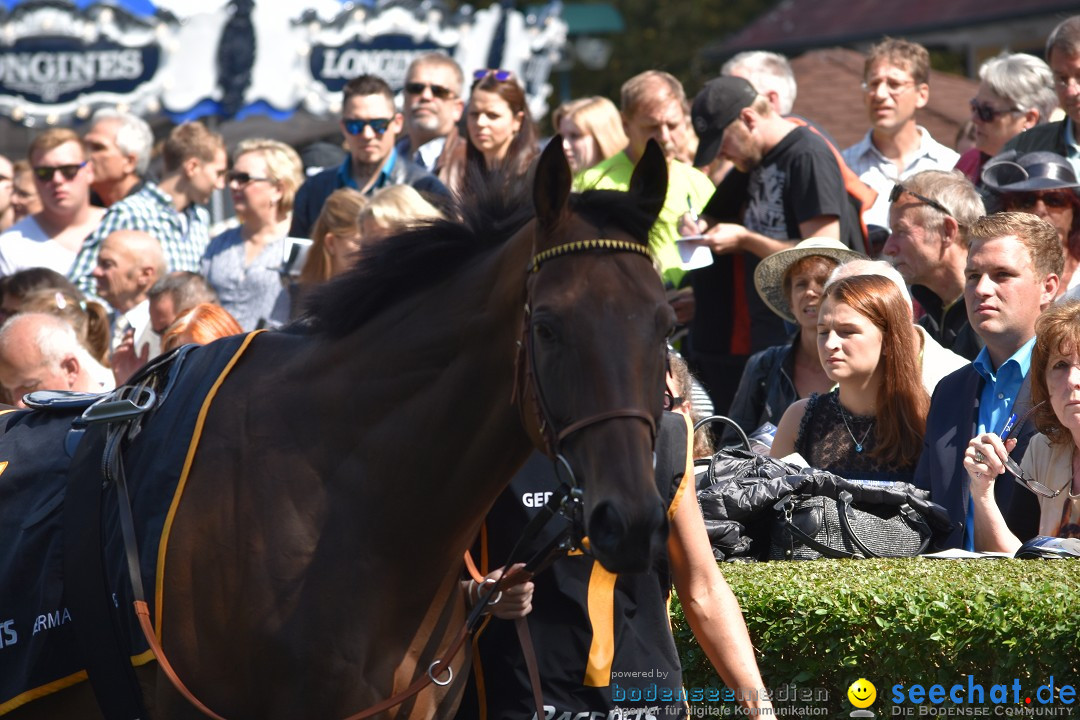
(830, 94)
(793, 25)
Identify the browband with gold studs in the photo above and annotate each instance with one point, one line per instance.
(583, 245)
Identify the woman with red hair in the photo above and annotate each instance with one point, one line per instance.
(201, 324)
(871, 426)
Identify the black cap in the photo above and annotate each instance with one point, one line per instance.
(715, 107)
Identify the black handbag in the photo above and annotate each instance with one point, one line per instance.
(810, 527)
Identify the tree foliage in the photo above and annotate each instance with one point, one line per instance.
(666, 35)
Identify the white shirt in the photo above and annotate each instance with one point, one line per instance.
(428, 154)
(25, 245)
(137, 318)
(937, 361)
(879, 172)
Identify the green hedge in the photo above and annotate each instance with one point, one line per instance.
(820, 625)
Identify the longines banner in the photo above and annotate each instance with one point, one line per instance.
(56, 61)
(194, 58)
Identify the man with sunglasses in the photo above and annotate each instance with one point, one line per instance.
(1013, 264)
(896, 84)
(173, 210)
(1063, 136)
(53, 237)
(432, 109)
(929, 215)
(371, 125)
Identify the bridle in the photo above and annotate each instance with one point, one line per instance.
(526, 379)
(566, 500)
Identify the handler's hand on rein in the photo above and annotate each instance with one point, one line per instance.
(984, 460)
(517, 593)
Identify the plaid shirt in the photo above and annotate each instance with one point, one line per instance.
(183, 235)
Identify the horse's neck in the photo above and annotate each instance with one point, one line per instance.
(438, 368)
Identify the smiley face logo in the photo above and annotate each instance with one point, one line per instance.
(862, 693)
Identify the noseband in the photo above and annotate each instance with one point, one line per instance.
(526, 363)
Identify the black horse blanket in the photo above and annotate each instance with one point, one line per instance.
(39, 652)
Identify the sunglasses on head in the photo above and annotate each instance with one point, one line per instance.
(1028, 200)
(500, 75)
(378, 125)
(987, 112)
(45, 173)
(442, 93)
(899, 190)
(243, 178)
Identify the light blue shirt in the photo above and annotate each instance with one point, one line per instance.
(880, 173)
(996, 404)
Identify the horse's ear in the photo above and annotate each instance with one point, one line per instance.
(650, 178)
(551, 187)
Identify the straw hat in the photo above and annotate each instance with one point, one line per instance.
(769, 274)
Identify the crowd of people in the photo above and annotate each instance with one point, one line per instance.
(891, 310)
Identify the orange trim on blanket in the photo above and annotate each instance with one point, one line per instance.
(167, 528)
(602, 622)
(64, 682)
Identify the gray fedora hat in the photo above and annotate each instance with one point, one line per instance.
(1033, 171)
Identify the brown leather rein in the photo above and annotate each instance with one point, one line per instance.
(553, 439)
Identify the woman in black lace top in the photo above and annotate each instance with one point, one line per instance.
(871, 426)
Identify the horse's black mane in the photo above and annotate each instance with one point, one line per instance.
(402, 265)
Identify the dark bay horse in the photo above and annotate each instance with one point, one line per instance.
(312, 568)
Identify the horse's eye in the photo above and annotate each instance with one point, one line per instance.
(543, 332)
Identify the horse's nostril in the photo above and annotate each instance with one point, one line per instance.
(623, 546)
(607, 528)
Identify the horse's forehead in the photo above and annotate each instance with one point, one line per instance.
(621, 282)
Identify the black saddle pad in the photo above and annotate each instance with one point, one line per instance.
(39, 652)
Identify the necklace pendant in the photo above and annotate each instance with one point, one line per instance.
(858, 448)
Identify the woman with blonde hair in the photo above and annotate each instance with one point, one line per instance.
(200, 325)
(394, 209)
(871, 426)
(243, 264)
(591, 129)
(335, 237)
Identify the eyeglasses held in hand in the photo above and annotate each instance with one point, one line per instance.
(1014, 467)
(45, 173)
(987, 112)
(243, 178)
(1027, 200)
(899, 190)
(500, 75)
(378, 125)
(418, 88)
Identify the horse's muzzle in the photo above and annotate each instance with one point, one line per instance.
(623, 545)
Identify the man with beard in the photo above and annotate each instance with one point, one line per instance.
(371, 126)
(433, 107)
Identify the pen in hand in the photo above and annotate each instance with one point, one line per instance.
(1008, 427)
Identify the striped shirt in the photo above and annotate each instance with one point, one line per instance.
(183, 235)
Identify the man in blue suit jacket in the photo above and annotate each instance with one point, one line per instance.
(1013, 265)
